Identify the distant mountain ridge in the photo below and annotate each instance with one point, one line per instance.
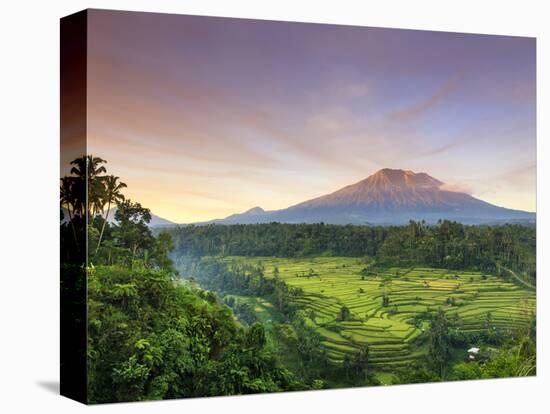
(156, 221)
(389, 196)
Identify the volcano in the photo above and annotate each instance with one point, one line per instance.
(390, 196)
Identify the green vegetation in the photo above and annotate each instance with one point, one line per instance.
(400, 314)
(447, 245)
(150, 336)
(221, 310)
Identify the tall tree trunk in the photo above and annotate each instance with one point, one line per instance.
(134, 254)
(103, 226)
(72, 226)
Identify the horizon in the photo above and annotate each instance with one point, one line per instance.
(374, 173)
(265, 210)
(205, 117)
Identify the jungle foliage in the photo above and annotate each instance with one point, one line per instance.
(448, 244)
(150, 336)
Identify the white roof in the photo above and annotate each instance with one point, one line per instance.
(473, 350)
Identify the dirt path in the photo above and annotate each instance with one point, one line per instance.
(519, 279)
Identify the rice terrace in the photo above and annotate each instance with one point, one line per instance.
(351, 306)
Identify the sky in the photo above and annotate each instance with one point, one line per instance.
(204, 117)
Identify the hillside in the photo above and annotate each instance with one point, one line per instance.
(390, 196)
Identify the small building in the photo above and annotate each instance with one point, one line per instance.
(472, 353)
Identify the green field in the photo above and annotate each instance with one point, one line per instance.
(263, 310)
(328, 283)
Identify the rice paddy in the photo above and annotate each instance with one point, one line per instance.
(391, 326)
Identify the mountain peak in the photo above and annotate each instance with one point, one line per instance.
(255, 210)
(395, 172)
(388, 179)
(387, 196)
(389, 171)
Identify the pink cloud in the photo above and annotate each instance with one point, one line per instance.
(456, 188)
(430, 102)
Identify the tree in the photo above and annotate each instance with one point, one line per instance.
(130, 377)
(344, 313)
(124, 292)
(163, 246)
(256, 336)
(113, 195)
(415, 373)
(280, 291)
(440, 342)
(131, 230)
(88, 169)
(360, 363)
(347, 365)
(72, 200)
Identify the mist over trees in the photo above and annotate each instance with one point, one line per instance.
(448, 244)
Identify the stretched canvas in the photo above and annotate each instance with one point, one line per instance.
(253, 206)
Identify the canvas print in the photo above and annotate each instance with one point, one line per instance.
(254, 206)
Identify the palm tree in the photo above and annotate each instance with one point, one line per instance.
(157, 286)
(113, 195)
(66, 196)
(73, 196)
(124, 292)
(88, 169)
(69, 200)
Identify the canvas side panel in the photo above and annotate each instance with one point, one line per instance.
(73, 381)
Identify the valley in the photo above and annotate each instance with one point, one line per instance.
(388, 311)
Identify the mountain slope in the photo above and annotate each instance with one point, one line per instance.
(249, 216)
(387, 197)
(156, 221)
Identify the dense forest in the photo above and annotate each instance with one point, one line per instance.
(448, 244)
(152, 339)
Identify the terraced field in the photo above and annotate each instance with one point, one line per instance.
(328, 283)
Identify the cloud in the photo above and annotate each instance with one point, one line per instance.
(456, 188)
(441, 149)
(425, 105)
(356, 90)
(338, 121)
(518, 175)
